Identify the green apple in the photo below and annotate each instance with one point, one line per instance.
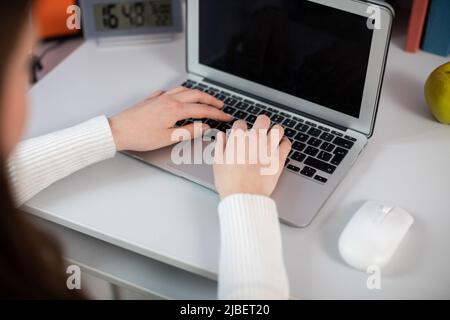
(437, 93)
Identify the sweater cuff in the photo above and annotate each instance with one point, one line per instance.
(38, 162)
(84, 144)
(243, 208)
(97, 138)
(252, 265)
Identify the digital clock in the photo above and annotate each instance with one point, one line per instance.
(122, 18)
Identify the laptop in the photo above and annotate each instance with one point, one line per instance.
(315, 67)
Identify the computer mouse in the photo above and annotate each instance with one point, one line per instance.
(373, 234)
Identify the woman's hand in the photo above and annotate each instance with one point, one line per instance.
(250, 177)
(149, 125)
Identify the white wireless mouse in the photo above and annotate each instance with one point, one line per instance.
(373, 234)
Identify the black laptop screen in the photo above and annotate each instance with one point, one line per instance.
(299, 47)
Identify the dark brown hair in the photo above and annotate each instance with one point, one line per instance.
(31, 264)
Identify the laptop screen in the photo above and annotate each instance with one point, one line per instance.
(301, 48)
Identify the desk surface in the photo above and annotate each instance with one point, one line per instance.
(157, 215)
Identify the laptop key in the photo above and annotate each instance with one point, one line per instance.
(289, 123)
(312, 124)
(324, 129)
(251, 119)
(261, 106)
(293, 168)
(277, 118)
(231, 102)
(266, 112)
(301, 137)
(339, 134)
(221, 97)
(337, 159)
(311, 151)
(212, 123)
(299, 157)
(290, 133)
(314, 132)
(326, 146)
(327, 136)
(298, 119)
(199, 88)
(254, 110)
(308, 172)
(242, 105)
(189, 84)
(298, 146)
(350, 138)
(341, 151)
(320, 179)
(240, 115)
(302, 127)
(229, 110)
(343, 143)
(325, 156)
(320, 165)
(314, 142)
(223, 127)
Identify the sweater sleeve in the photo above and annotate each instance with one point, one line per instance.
(38, 162)
(251, 258)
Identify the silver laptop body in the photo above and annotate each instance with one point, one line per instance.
(325, 92)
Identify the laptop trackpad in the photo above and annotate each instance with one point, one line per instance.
(194, 165)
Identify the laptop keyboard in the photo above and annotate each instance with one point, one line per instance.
(316, 150)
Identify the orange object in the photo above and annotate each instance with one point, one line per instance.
(51, 18)
(416, 25)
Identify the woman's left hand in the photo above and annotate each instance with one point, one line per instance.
(149, 125)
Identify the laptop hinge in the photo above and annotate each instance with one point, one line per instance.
(278, 105)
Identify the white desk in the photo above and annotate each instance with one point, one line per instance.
(156, 217)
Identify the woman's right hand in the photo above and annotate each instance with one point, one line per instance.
(249, 177)
(149, 124)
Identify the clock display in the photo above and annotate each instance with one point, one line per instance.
(132, 15)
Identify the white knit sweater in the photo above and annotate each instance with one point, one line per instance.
(251, 260)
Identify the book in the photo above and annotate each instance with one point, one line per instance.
(416, 25)
(437, 32)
